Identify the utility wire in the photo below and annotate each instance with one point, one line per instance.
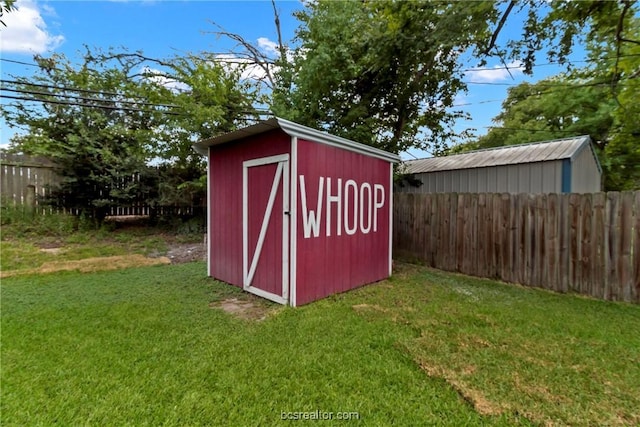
(80, 104)
(554, 130)
(530, 130)
(256, 111)
(82, 98)
(17, 82)
(513, 67)
(608, 83)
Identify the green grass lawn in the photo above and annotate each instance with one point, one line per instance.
(142, 346)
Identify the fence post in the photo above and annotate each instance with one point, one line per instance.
(30, 200)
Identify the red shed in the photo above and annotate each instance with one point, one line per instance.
(295, 214)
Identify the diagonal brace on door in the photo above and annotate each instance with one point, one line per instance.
(249, 270)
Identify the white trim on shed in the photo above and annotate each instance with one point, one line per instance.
(298, 131)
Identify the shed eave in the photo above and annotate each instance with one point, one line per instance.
(294, 130)
(588, 143)
(299, 131)
(202, 147)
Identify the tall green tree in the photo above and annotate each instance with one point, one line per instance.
(94, 123)
(556, 107)
(382, 73)
(106, 119)
(386, 73)
(210, 97)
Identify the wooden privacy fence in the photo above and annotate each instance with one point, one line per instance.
(24, 180)
(584, 243)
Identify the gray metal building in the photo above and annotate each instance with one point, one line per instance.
(568, 165)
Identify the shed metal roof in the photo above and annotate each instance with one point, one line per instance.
(295, 130)
(558, 149)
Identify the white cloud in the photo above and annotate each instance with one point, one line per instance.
(268, 46)
(247, 67)
(26, 31)
(495, 74)
(158, 77)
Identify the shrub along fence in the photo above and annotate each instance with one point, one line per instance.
(583, 243)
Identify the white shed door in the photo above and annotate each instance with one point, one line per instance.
(265, 227)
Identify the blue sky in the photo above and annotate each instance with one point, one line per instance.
(166, 28)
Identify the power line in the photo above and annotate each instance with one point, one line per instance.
(538, 84)
(82, 98)
(488, 101)
(100, 92)
(80, 104)
(518, 67)
(512, 67)
(550, 130)
(555, 88)
(20, 62)
(531, 130)
(255, 111)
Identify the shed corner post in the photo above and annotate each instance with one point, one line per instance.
(390, 218)
(566, 176)
(209, 213)
(293, 222)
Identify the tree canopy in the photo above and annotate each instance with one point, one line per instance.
(599, 100)
(112, 115)
(386, 73)
(382, 73)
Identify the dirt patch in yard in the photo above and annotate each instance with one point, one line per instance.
(474, 397)
(186, 252)
(89, 265)
(52, 251)
(244, 309)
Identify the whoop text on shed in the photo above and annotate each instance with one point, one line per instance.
(295, 214)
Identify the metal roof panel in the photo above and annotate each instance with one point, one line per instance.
(295, 130)
(510, 155)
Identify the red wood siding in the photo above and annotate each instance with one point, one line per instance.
(225, 192)
(329, 263)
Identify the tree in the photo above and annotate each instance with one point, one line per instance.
(622, 152)
(94, 124)
(105, 120)
(6, 6)
(207, 97)
(552, 108)
(385, 73)
(382, 73)
(598, 100)
(554, 28)
(211, 99)
(561, 107)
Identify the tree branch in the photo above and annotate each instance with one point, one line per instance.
(281, 47)
(619, 29)
(495, 34)
(252, 53)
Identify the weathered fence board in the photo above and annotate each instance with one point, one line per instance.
(24, 180)
(582, 243)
